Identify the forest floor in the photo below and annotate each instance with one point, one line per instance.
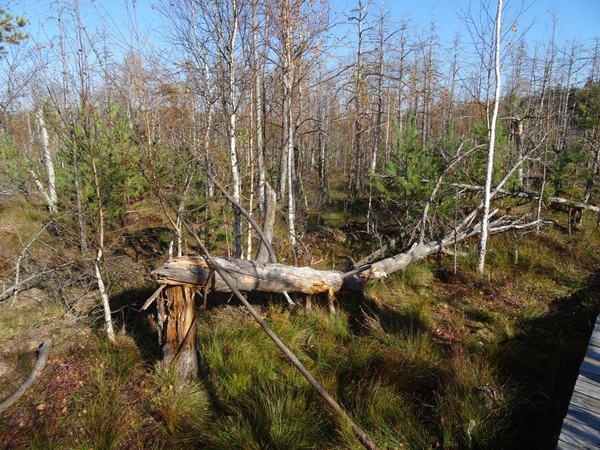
(435, 357)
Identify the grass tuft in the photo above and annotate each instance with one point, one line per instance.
(184, 414)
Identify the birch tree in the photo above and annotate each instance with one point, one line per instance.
(492, 142)
(296, 29)
(257, 71)
(210, 34)
(48, 187)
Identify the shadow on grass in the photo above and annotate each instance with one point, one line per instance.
(542, 363)
(128, 316)
(362, 309)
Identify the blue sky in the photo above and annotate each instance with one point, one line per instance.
(576, 19)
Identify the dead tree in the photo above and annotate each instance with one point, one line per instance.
(177, 329)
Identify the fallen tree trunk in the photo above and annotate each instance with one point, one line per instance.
(177, 315)
(43, 352)
(248, 275)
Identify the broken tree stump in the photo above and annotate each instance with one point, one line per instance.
(177, 328)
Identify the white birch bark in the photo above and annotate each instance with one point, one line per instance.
(490, 161)
(48, 191)
(258, 111)
(233, 154)
(290, 158)
(108, 323)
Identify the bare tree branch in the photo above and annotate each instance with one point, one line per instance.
(43, 352)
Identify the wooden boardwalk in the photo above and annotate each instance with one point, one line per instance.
(581, 427)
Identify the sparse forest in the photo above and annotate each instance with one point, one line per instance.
(416, 220)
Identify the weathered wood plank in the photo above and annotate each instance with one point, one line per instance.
(585, 401)
(587, 387)
(593, 352)
(577, 435)
(585, 410)
(581, 426)
(595, 339)
(590, 371)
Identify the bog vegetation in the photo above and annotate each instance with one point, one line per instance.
(108, 150)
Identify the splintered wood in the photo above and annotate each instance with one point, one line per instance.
(177, 330)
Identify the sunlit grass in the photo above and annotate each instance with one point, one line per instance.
(184, 412)
(431, 359)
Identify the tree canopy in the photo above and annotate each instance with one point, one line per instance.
(11, 28)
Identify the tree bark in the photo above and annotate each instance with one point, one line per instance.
(490, 162)
(249, 276)
(49, 192)
(177, 331)
(268, 227)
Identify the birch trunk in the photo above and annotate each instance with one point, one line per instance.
(110, 331)
(490, 161)
(48, 191)
(235, 168)
(290, 175)
(257, 106)
(269, 223)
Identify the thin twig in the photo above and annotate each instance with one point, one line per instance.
(22, 257)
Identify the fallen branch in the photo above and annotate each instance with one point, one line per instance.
(43, 352)
(248, 275)
(31, 281)
(22, 257)
(533, 196)
(22, 285)
(376, 254)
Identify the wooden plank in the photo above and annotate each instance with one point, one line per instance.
(566, 446)
(587, 387)
(584, 415)
(577, 435)
(593, 354)
(581, 427)
(585, 401)
(590, 371)
(595, 338)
